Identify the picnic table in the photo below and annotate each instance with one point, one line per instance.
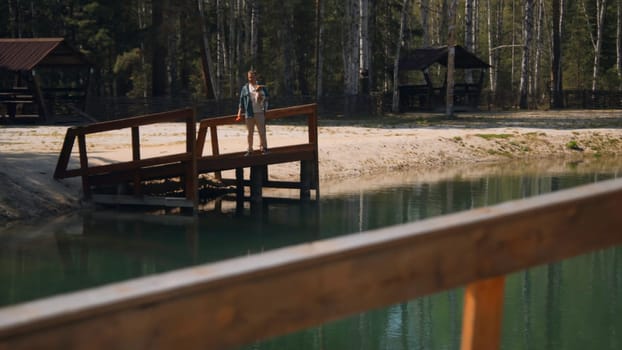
(14, 97)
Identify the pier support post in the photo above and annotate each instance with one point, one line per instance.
(257, 178)
(239, 188)
(306, 169)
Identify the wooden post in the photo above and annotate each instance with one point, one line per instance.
(256, 183)
(313, 139)
(192, 181)
(65, 154)
(38, 97)
(136, 157)
(84, 166)
(482, 314)
(215, 149)
(239, 187)
(305, 179)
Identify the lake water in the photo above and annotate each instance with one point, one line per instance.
(574, 304)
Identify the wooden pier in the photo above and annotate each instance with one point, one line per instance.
(188, 165)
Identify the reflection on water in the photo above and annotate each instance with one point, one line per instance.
(568, 305)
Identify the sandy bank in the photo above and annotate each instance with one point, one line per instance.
(426, 146)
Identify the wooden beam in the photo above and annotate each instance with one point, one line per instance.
(164, 117)
(65, 154)
(84, 166)
(239, 301)
(482, 314)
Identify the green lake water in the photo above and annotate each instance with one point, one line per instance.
(573, 304)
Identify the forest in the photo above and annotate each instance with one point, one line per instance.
(538, 49)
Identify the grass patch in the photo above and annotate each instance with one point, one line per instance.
(494, 136)
(573, 145)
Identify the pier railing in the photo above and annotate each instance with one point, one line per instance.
(305, 152)
(138, 169)
(190, 164)
(239, 301)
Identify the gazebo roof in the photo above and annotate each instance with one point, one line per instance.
(26, 54)
(422, 58)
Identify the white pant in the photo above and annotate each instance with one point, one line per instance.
(259, 120)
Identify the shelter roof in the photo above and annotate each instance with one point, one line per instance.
(422, 58)
(26, 54)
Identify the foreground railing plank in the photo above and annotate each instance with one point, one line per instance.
(242, 300)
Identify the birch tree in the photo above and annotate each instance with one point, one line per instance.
(469, 34)
(596, 38)
(351, 47)
(395, 106)
(494, 17)
(365, 44)
(527, 31)
(206, 60)
(556, 53)
(451, 56)
(221, 46)
(319, 44)
(254, 35)
(535, 86)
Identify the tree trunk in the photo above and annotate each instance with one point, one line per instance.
(221, 46)
(495, 25)
(469, 35)
(206, 59)
(556, 60)
(535, 91)
(396, 96)
(425, 26)
(351, 46)
(619, 42)
(289, 57)
(319, 44)
(451, 56)
(601, 6)
(233, 43)
(364, 55)
(524, 75)
(159, 52)
(255, 21)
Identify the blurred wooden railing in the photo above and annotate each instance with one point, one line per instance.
(239, 301)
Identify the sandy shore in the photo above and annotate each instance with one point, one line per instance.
(427, 146)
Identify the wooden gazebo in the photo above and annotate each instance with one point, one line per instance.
(424, 94)
(40, 77)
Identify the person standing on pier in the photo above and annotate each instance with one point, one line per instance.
(254, 103)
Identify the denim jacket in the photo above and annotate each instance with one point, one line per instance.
(245, 101)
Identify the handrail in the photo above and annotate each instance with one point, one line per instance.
(188, 158)
(238, 301)
(308, 110)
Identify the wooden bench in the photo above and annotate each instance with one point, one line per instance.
(12, 99)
